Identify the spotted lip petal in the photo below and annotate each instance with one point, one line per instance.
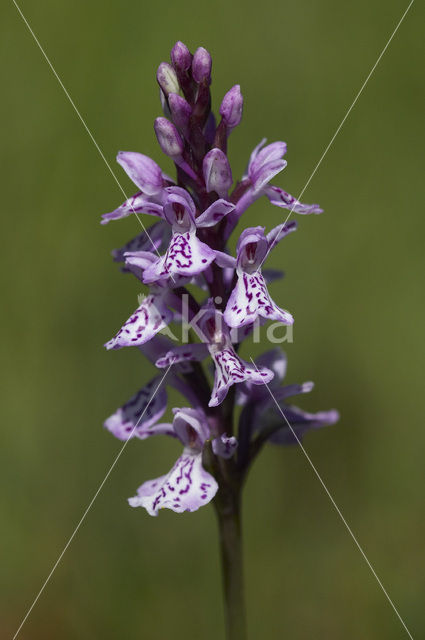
(138, 416)
(229, 370)
(250, 299)
(150, 318)
(185, 488)
(186, 256)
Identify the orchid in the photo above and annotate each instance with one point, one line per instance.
(192, 280)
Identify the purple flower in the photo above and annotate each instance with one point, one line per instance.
(148, 177)
(250, 297)
(261, 407)
(231, 108)
(264, 164)
(138, 417)
(186, 254)
(150, 317)
(185, 263)
(187, 486)
(230, 369)
(217, 172)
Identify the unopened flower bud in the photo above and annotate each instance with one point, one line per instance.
(201, 66)
(180, 112)
(168, 137)
(217, 172)
(231, 107)
(167, 78)
(181, 56)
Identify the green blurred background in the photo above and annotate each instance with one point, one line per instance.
(353, 283)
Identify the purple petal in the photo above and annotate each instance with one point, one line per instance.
(167, 79)
(144, 409)
(142, 170)
(231, 107)
(276, 360)
(295, 389)
(191, 427)
(181, 112)
(214, 213)
(271, 275)
(150, 318)
(250, 299)
(141, 259)
(251, 249)
(271, 153)
(217, 172)
(264, 164)
(201, 65)
(301, 422)
(253, 155)
(267, 173)
(281, 231)
(224, 446)
(185, 488)
(139, 203)
(183, 353)
(149, 240)
(179, 208)
(224, 260)
(181, 56)
(168, 138)
(281, 198)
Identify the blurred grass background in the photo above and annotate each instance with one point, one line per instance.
(353, 283)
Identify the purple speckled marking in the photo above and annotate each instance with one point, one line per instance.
(250, 299)
(230, 369)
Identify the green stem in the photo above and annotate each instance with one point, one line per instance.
(228, 510)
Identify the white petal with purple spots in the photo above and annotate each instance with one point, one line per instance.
(230, 369)
(186, 256)
(150, 318)
(185, 488)
(250, 299)
(144, 409)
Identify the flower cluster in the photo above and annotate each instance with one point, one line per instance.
(188, 245)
